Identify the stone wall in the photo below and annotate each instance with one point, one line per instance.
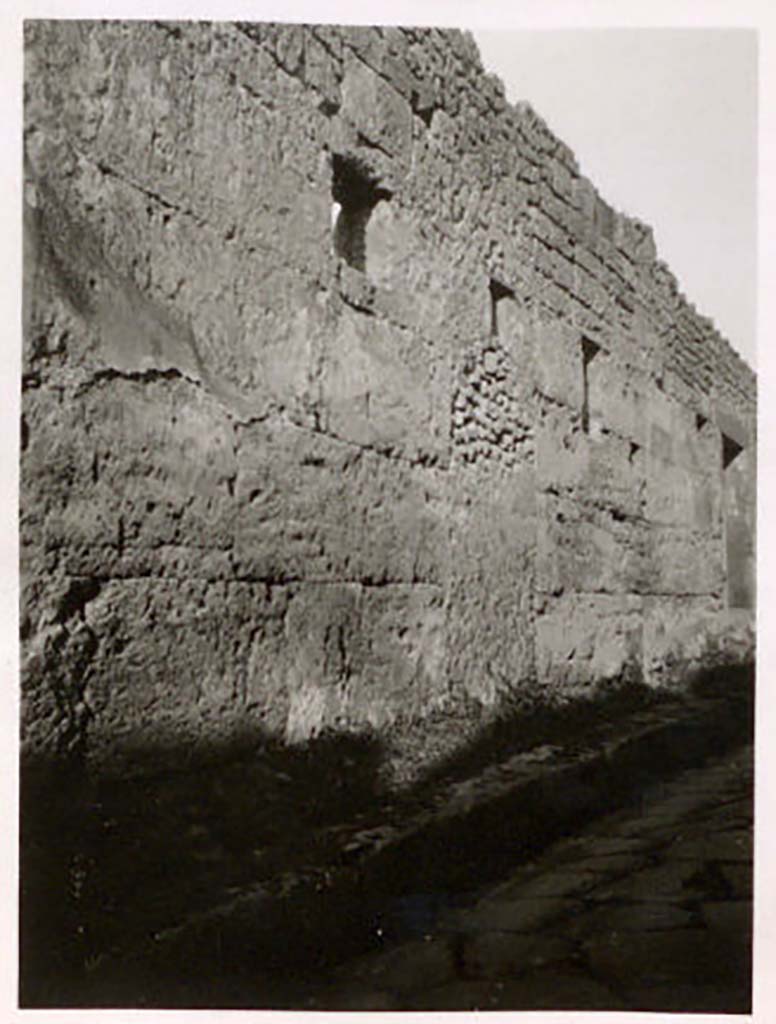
(347, 401)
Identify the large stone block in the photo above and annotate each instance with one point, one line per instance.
(489, 615)
(584, 548)
(381, 116)
(687, 635)
(379, 390)
(617, 397)
(363, 657)
(558, 364)
(182, 670)
(310, 507)
(685, 561)
(585, 642)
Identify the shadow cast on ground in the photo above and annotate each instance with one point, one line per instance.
(111, 867)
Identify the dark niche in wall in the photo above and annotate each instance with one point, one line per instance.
(739, 527)
(589, 351)
(730, 450)
(357, 193)
(498, 292)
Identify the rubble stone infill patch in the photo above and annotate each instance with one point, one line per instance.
(384, 883)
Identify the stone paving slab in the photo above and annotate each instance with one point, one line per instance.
(515, 915)
(676, 997)
(739, 879)
(618, 919)
(734, 845)
(611, 865)
(413, 966)
(670, 881)
(545, 885)
(501, 954)
(672, 932)
(728, 917)
(546, 990)
(611, 846)
(691, 956)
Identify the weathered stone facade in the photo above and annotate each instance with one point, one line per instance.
(347, 402)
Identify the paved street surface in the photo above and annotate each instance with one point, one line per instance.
(648, 909)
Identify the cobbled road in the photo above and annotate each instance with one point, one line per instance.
(649, 908)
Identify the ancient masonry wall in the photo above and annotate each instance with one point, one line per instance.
(347, 401)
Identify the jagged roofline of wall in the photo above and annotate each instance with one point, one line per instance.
(700, 325)
(628, 233)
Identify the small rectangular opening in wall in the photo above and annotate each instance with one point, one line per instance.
(700, 421)
(355, 194)
(730, 450)
(498, 291)
(589, 351)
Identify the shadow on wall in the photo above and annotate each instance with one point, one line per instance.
(110, 868)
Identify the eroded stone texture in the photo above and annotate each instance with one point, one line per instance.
(347, 400)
